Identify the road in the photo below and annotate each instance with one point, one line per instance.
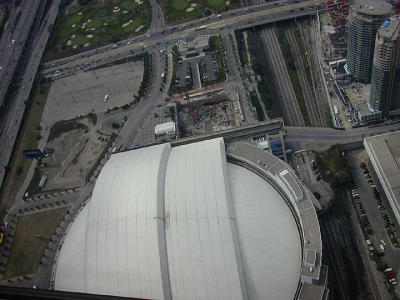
(158, 19)
(305, 138)
(12, 120)
(13, 41)
(231, 20)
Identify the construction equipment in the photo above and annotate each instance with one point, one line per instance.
(190, 107)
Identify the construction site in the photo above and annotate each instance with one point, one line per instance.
(336, 28)
(210, 112)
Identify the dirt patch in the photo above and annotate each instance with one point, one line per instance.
(75, 151)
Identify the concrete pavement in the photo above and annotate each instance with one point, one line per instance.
(307, 138)
(13, 118)
(232, 20)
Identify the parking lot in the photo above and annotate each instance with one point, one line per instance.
(197, 72)
(85, 92)
(208, 69)
(184, 74)
(373, 212)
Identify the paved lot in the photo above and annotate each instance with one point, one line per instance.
(208, 64)
(182, 72)
(303, 167)
(392, 256)
(84, 92)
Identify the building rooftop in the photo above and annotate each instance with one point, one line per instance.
(198, 43)
(164, 128)
(390, 28)
(298, 196)
(373, 7)
(384, 152)
(192, 222)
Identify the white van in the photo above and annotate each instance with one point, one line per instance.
(382, 247)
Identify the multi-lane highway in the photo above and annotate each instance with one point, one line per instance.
(13, 41)
(229, 21)
(11, 120)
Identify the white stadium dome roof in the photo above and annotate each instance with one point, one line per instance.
(183, 223)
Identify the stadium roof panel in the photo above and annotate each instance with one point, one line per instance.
(181, 222)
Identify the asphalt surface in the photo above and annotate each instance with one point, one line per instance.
(229, 21)
(12, 120)
(305, 138)
(13, 41)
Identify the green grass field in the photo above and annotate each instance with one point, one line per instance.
(94, 25)
(178, 11)
(27, 249)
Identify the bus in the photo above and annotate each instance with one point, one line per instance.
(201, 28)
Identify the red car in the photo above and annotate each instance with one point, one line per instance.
(390, 275)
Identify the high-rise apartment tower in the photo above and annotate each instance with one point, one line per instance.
(385, 82)
(365, 17)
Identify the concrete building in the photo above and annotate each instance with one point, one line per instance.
(165, 129)
(202, 220)
(364, 19)
(385, 83)
(366, 115)
(384, 154)
(195, 46)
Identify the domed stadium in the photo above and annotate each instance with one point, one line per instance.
(204, 220)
